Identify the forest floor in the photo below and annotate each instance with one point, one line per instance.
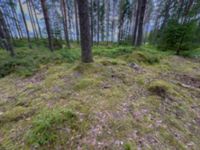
(127, 99)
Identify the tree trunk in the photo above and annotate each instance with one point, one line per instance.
(141, 20)
(108, 20)
(113, 21)
(19, 26)
(24, 20)
(91, 21)
(121, 21)
(85, 31)
(5, 36)
(16, 24)
(32, 14)
(36, 18)
(102, 20)
(31, 20)
(136, 23)
(98, 18)
(166, 14)
(69, 19)
(76, 19)
(7, 24)
(64, 13)
(48, 28)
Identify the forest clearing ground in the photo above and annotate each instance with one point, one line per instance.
(127, 102)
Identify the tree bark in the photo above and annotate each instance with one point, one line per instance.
(76, 19)
(98, 18)
(47, 23)
(141, 20)
(17, 20)
(7, 24)
(64, 13)
(36, 18)
(26, 27)
(91, 21)
(108, 20)
(113, 21)
(5, 36)
(136, 23)
(31, 20)
(69, 19)
(16, 24)
(121, 21)
(166, 14)
(85, 31)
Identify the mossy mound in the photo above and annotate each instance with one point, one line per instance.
(15, 114)
(160, 87)
(85, 83)
(86, 68)
(142, 57)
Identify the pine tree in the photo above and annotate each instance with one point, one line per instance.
(83, 8)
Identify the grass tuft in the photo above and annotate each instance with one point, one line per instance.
(44, 126)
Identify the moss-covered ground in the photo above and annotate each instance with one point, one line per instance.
(127, 99)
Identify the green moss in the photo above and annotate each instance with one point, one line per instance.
(140, 80)
(130, 146)
(191, 53)
(89, 68)
(170, 139)
(15, 114)
(113, 52)
(109, 62)
(160, 87)
(174, 122)
(44, 125)
(85, 83)
(143, 57)
(109, 97)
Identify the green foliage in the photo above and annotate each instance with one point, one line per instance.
(114, 52)
(57, 44)
(70, 55)
(28, 61)
(128, 146)
(20, 43)
(192, 53)
(23, 67)
(177, 36)
(44, 125)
